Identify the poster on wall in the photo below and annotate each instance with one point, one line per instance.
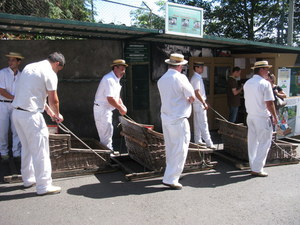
(184, 20)
(289, 80)
(284, 80)
(289, 119)
(295, 81)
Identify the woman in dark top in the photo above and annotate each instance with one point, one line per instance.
(276, 89)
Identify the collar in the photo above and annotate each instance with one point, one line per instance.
(12, 72)
(258, 76)
(171, 69)
(115, 76)
(198, 74)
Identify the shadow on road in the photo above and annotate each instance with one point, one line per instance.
(24, 195)
(223, 175)
(114, 184)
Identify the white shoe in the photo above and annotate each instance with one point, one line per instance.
(50, 190)
(177, 186)
(212, 147)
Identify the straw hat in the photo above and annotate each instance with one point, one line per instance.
(260, 64)
(176, 59)
(118, 62)
(15, 55)
(198, 63)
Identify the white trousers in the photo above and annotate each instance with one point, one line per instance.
(201, 130)
(34, 136)
(177, 138)
(6, 122)
(259, 141)
(103, 120)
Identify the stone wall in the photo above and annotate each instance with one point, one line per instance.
(86, 63)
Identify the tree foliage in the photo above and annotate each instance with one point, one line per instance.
(251, 20)
(297, 22)
(146, 19)
(55, 9)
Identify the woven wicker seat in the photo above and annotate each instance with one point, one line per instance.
(147, 147)
(235, 141)
(67, 154)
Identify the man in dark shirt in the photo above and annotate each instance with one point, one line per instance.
(233, 94)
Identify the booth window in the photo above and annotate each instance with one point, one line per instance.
(220, 79)
(140, 86)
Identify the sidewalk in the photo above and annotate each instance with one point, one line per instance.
(221, 196)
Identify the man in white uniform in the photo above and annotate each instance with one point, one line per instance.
(200, 108)
(176, 95)
(37, 82)
(259, 102)
(8, 79)
(107, 99)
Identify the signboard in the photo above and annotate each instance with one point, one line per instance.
(284, 80)
(289, 80)
(184, 20)
(136, 52)
(289, 118)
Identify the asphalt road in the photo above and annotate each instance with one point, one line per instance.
(222, 196)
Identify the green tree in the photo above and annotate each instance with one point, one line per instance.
(263, 20)
(297, 23)
(55, 9)
(252, 20)
(147, 19)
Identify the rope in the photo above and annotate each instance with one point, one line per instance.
(65, 129)
(202, 156)
(293, 157)
(119, 124)
(129, 118)
(217, 113)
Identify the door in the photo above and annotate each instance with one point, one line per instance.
(216, 72)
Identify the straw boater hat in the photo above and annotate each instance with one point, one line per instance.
(176, 59)
(15, 55)
(260, 64)
(198, 63)
(119, 62)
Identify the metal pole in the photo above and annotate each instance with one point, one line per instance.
(291, 23)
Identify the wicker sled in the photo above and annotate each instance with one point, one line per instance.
(146, 146)
(70, 157)
(235, 141)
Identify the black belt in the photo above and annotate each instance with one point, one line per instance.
(18, 108)
(6, 101)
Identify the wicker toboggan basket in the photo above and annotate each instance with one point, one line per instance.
(235, 141)
(146, 146)
(67, 154)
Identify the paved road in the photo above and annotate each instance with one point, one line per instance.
(222, 196)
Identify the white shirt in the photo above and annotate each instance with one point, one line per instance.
(257, 91)
(8, 81)
(197, 83)
(108, 87)
(34, 82)
(174, 89)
